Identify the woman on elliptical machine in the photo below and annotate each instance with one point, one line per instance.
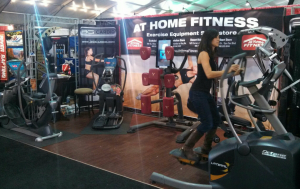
(201, 100)
(88, 63)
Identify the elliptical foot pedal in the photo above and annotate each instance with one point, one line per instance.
(100, 122)
(203, 157)
(178, 154)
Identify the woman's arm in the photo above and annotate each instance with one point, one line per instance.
(204, 60)
(91, 58)
(190, 62)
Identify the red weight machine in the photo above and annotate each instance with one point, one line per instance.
(165, 78)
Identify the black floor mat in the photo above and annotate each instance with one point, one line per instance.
(31, 139)
(121, 131)
(27, 167)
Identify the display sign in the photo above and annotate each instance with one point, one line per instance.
(103, 39)
(134, 43)
(186, 30)
(14, 38)
(3, 67)
(250, 42)
(161, 59)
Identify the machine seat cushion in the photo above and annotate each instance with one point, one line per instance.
(82, 91)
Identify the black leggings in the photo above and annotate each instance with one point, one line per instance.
(204, 105)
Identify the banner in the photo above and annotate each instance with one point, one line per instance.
(186, 30)
(3, 67)
(103, 39)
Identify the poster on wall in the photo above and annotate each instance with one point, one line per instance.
(95, 40)
(15, 53)
(3, 67)
(14, 38)
(186, 31)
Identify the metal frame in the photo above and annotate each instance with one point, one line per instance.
(30, 22)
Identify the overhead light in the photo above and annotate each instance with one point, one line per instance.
(13, 1)
(248, 4)
(10, 27)
(31, 2)
(74, 4)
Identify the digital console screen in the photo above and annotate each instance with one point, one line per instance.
(162, 62)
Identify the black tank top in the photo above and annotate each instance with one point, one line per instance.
(88, 63)
(201, 83)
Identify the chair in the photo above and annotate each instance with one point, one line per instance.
(82, 92)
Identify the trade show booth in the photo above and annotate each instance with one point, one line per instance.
(123, 94)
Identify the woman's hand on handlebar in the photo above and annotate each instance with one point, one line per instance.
(238, 71)
(234, 68)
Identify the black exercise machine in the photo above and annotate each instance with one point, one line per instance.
(243, 124)
(30, 112)
(110, 94)
(270, 158)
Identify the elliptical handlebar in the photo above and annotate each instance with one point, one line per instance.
(175, 70)
(94, 64)
(125, 69)
(226, 75)
(237, 57)
(96, 56)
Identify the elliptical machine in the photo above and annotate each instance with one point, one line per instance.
(270, 158)
(268, 51)
(38, 108)
(110, 94)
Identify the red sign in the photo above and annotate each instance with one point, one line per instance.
(250, 42)
(3, 28)
(3, 68)
(134, 43)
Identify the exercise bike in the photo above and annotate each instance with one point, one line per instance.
(29, 112)
(270, 158)
(110, 94)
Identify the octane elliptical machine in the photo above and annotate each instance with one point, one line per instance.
(165, 78)
(261, 159)
(245, 125)
(110, 94)
(275, 40)
(268, 51)
(38, 109)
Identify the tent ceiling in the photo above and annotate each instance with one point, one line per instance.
(89, 9)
